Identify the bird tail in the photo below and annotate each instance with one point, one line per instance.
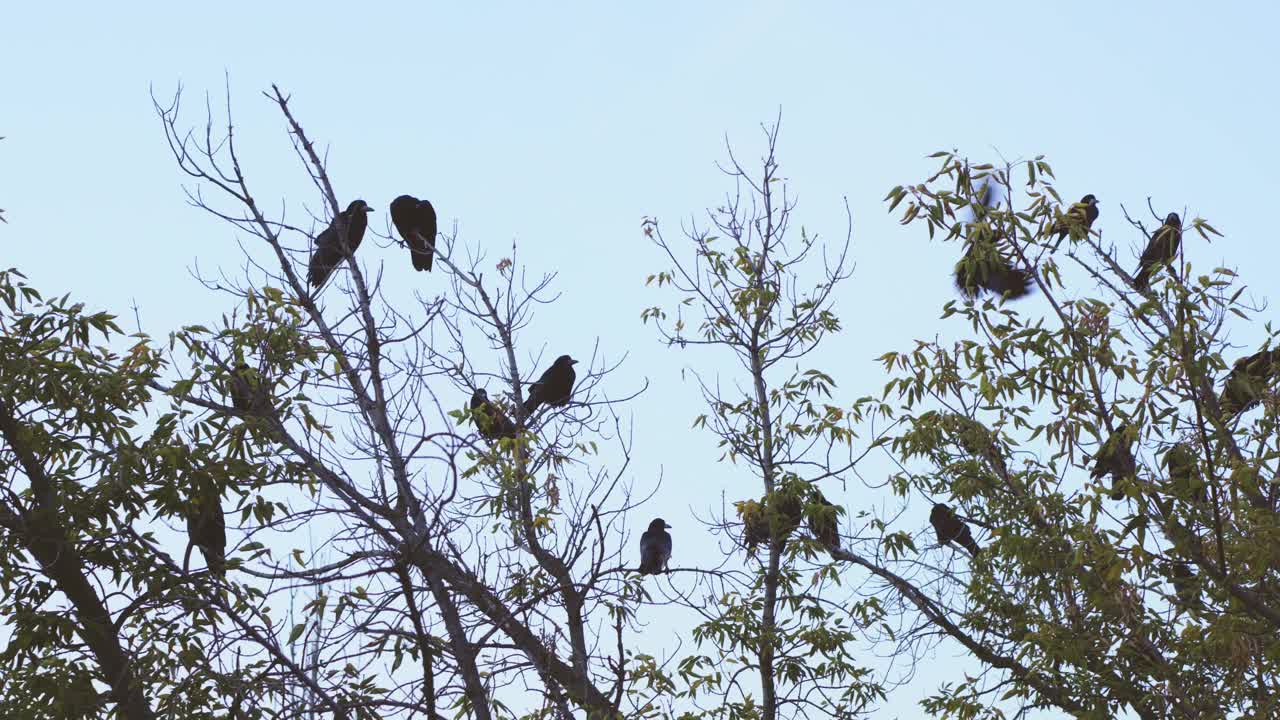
(530, 405)
(422, 258)
(214, 561)
(1142, 278)
(971, 545)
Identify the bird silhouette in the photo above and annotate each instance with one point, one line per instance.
(655, 548)
(1185, 480)
(984, 267)
(951, 528)
(1115, 458)
(415, 220)
(1161, 250)
(824, 519)
(1249, 377)
(249, 390)
(206, 527)
(339, 240)
(554, 386)
(1079, 217)
(1185, 586)
(489, 419)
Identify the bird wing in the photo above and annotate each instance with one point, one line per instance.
(325, 257)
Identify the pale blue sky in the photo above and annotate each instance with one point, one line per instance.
(562, 125)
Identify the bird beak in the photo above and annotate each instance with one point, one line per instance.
(573, 362)
(666, 526)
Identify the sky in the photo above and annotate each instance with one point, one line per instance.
(560, 127)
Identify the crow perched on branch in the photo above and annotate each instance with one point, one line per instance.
(489, 419)
(415, 220)
(655, 548)
(951, 528)
(1161, 250)
(1079, 216)
(207, 529)
(338, 241)
(554, 386)
(1185, 480)
(824, 519)
(1115, 458)
(249, 390)
(1248, 378)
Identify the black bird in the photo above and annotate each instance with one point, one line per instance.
(1185, 586)
(1161, 250)
(655, 548)
(207, 529)
(951, 528)
(1115, 458)
(1081, 214)
(1185, 480)
(985, 268)
(339, 240)
(415, 220)
(1246, 381)
(249, 391)
(554, 386)
(489, 419)
(824, 520)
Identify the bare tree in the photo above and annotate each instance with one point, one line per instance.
(450, 573)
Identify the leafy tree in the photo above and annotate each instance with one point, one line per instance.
(778, 640)
(1164, 603)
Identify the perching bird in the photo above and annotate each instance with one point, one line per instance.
(1161, 250)
(206, 527)
(249, 391)
(1246, 381)
(951, 528)
(1115, 458)
(489, 419)
(824, 520)
(1185, 480)
(1081, 214)
(655, 548)
(554, 386)
(415, 220)
(334, 244)
(755, 524)
(1185, 586)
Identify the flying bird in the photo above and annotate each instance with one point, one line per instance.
(1115, 458)
(985, 268)
(249, 390)
(415, 220)
(951, 528)
(655, 548)
(1079, 215)
(207, 529)
(1246, 381)
(339, 240)
(489, 419)
(1161, 250)
(554, 386)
